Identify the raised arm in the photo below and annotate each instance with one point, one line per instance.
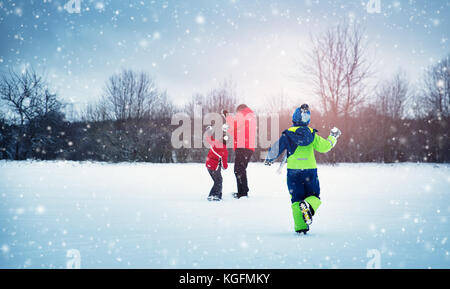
(208, 135)
(323, 145)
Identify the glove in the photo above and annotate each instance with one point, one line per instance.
(209, 131)
(335, 132)
(268, 163)
(225, 127)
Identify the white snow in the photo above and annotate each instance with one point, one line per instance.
(157, 216)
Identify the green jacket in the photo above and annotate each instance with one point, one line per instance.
(300, 142)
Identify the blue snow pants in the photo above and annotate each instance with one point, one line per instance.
(302, 184)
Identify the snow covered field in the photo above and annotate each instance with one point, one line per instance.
(157, 216)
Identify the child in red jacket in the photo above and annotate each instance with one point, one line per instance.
(217, 157)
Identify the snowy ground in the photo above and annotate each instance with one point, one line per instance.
(157, 216)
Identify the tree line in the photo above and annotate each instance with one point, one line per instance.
(131, 121)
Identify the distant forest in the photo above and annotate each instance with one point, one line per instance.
(131, 122)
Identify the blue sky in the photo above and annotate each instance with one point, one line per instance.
(190, 46)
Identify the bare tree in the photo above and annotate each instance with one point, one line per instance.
(130, 95)
(131, 121)
(18, 91)
(436, 93)
(435, 102)
(278, 103)
(222, 97)
(392, 95)
(31, 106)
(337, 68)
(94, 113)
(390, 100)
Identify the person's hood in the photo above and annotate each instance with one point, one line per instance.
(301, 116)
(301, 137)
(245, 111)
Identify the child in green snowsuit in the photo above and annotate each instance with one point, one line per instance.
(300, 142)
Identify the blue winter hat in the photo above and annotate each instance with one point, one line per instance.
(302, 116)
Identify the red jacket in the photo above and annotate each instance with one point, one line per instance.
(217, 152)
(242, 127)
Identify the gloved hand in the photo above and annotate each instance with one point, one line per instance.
(209, 131)
(335, 132)
(268, 163)
(225, 127)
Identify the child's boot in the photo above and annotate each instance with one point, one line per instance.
(214, 198)
(306, 212)
(309, 207)
(299, 222)
(313, 204)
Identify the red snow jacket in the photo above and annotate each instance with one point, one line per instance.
(243, 129)
(218, 152)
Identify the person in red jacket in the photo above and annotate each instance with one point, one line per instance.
(216, 159)
(242, 127)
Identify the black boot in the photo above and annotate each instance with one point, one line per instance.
(214, 198)
(307, 215)
(238, 196)
(304, 231)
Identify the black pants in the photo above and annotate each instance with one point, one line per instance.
(216, 190)
(240, 169)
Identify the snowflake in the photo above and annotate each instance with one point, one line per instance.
(40, 210)
(5, 249)
(100, 6)
(200, 19)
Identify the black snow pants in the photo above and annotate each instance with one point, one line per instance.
(242, 157)
(216, 175)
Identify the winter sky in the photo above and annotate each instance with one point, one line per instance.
(191, 45)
